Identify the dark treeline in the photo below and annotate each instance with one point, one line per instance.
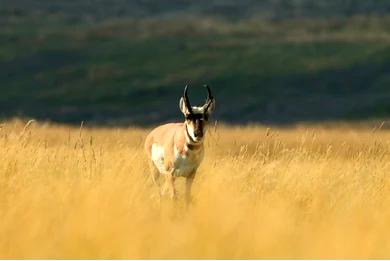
(122, 61)
(274, 9)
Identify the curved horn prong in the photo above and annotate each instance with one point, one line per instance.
(186, 100)
(209, 98)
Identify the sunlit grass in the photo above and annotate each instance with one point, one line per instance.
(303, 192)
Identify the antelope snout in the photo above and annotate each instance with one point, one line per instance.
(198, 134)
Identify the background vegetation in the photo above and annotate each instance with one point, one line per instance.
(127, 61)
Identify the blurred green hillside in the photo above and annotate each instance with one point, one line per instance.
(128, 61)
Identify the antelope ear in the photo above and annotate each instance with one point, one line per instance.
(210, 108)
(183, 107)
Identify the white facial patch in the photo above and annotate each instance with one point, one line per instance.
(197, 110)
(191, 130)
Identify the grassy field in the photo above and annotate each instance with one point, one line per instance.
(299, 192)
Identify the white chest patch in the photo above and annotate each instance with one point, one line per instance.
(184, 164)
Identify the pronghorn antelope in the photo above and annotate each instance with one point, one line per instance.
(176, 149)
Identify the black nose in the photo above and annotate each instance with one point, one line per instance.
(198, 134)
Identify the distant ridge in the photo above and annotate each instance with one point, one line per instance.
(122, 61)
(272, 9)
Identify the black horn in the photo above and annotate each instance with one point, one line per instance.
(209, 98)
(186, 100)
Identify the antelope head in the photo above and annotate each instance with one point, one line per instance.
(196, 117)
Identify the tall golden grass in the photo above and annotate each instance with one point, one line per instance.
(302, 192)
